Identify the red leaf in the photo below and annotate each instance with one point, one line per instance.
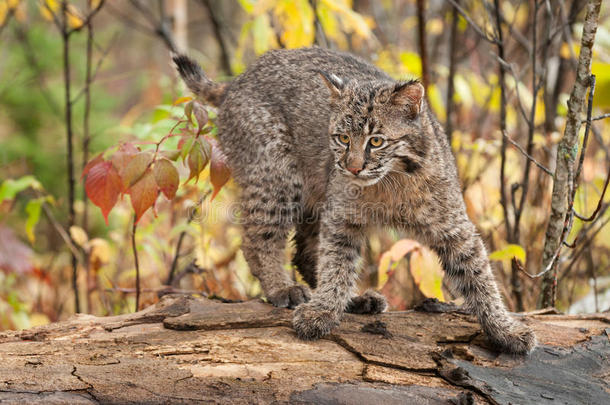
(198, 158)
(123, 155)
(167, 177)
(143, 193)
(201, 114)
(103, 186)
(99, 158)
(219, 169)
(135, 169)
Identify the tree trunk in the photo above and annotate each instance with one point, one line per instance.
(566, 156)
(187, 350)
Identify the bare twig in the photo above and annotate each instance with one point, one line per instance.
(136, 262)
(502, 72)
(531, 158)
(7, 18)
(600, 117)
(30, 55)
(452, 67)
(474, 25)
(320, 39)
(172, 271)
(421, 37)
(65, 32)
(96, 70)
(159, 25)
(87, 21)
(86, 134)
(65, 236)
(600, 203)
(217, 25)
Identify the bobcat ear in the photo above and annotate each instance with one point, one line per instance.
(334, 83)
(410, 95)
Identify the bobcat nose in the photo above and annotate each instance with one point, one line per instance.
(355, 170)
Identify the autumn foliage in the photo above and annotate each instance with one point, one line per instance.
(144, 174)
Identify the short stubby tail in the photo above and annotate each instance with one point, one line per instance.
(197, 81)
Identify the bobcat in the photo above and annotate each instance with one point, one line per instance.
(326, 143)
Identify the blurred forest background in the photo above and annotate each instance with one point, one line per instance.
(84, 77)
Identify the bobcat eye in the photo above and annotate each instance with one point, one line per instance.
(344, 139)
(376, 141)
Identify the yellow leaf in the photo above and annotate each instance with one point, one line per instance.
(99, 253)
(427, 273)
(411, 62)
(48, 8)
(78, 235)
(434, 26)
(396, 252)
(183, 100)
(436, 102)
(297, 23)
(508, 252)
(74, 18)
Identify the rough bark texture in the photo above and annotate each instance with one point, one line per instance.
(187, 350)
(566, 156)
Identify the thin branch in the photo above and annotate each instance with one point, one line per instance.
(536, 85)
(62, 232)
(600, 117)
(320, 38)
(474, 25)
(501, 80)
(531, 158)
(452, 68)
(88, 18)
(30, 55)
(217, 25)
(172, 271)
(7, 18)
(86, 133)
(69, 140)
(421, 38)
(136, 262)
(159, 25)
(97, 68)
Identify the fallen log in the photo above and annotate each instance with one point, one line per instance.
(191, 350)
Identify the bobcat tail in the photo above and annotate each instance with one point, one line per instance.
(196, 80)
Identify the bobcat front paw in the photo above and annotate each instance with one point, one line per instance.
(518, 339)
(371, 302)
(311, 321)
(289, 297)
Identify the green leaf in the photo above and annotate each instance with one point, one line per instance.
(32, 209)
(11, 187)
(508, 252)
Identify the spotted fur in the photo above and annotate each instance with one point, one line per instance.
(329, 144)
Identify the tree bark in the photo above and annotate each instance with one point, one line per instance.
(566, 155)
(188, 350)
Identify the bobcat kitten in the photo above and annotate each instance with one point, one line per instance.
(329, 144)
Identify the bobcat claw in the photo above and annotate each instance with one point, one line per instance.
(371, 302)
(311, 321)
(290, 297)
